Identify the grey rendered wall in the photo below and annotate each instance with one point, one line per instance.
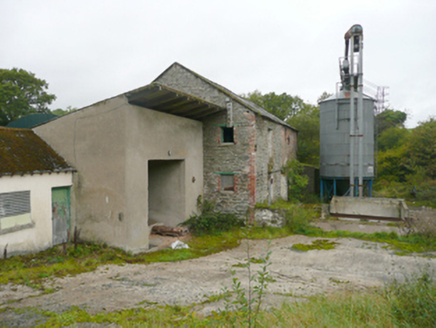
(92, 140)
(110, 144)
(152, 135)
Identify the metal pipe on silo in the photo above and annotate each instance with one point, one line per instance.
(360, 115)
(352, 127)
(338, 149)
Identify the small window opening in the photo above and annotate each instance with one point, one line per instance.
(227, 182)
(227, 135)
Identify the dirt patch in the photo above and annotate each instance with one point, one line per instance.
(352, 265)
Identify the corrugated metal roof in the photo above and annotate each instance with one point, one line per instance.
(159, 97)
(246, 103)
(23, 152)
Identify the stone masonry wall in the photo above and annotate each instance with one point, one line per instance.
(237, 158)
(247, 157)
(276, 144)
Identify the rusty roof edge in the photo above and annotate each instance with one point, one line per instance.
(232, 95)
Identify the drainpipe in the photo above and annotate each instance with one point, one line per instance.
(229, 107)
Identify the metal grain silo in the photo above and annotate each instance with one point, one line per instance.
(335, 138)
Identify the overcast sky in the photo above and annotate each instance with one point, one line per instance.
(92, 50)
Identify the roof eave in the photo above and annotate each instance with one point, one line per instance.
(227, 93)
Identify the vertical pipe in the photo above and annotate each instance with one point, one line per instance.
(337, 107)
(360, 115)
(322, 191)
(352, 129)
(356, 181)
(334, 187)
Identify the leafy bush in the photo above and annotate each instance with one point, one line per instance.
(297, 181)
(298, 219)
(211, 221)
(418, 189)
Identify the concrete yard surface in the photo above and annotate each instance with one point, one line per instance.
(353, 264)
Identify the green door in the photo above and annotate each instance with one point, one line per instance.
(61, 218)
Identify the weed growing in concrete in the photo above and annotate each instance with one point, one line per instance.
(247, 301)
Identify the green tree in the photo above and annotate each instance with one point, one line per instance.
(21, 94)
(60, 111)
(306, 121)
(393, 164)
(283, 106)
(297, 180)
(422, 146)
(324, 96)
(302, 116)
(392, 137)
(390, 118)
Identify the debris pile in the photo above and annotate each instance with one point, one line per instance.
(169, 231)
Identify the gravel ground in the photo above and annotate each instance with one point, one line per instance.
(352, 265)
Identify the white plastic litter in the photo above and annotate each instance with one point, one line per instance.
(179, 245)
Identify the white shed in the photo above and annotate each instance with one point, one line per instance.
(35, 187)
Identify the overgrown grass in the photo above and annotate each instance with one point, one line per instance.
(299, 218)
(413, 303)
(287, 205)
(32, 269)
(404, 245)
(319, 244)
(409, 304)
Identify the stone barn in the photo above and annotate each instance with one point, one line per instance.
(147, 155)
(244, 147)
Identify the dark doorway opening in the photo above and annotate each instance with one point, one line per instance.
(166, 192)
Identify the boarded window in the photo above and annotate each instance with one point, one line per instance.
(14, 209)
(227, 135)
(227, 182)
